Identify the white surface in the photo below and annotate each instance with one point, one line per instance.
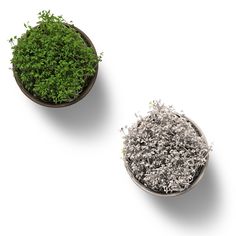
(60, 170)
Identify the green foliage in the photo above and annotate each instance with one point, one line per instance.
(52, 60)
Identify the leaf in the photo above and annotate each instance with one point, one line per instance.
(53, 59)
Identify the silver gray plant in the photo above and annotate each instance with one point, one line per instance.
(163, 150)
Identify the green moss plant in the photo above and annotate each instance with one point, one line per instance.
(52, 60)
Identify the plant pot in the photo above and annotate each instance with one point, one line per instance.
(88, 85)
(197, 178)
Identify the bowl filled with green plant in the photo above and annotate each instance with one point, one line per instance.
(54, 63)
(165, 153)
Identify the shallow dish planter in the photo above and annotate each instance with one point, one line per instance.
(165, 153)
(54, 63)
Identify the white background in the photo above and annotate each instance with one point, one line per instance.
(61, 171)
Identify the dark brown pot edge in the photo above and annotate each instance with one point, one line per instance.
(85, 90)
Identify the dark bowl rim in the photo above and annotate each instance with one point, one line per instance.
(85, 90)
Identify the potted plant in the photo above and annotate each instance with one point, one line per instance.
(55, 64)
(165, 153)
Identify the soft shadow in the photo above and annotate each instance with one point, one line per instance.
(85, 117)
(198, 206)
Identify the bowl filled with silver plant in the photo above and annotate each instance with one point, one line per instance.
(164, 152)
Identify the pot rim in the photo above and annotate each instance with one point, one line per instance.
(84, 92)
(192, 184)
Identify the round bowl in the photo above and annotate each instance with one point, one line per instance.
(89, 81)
(197, 178)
